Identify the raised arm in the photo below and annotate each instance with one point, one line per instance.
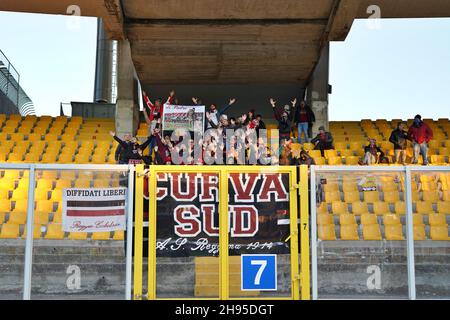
(232, 101)
(147, 101)
(275, 113)
(147, 119)
(146, 143)
(120, 141)
(170, 98)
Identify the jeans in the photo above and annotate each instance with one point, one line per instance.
(423, 149)
(303, 127)
(399, 156)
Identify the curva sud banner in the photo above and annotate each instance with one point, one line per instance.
(188, 219)
(94, 209)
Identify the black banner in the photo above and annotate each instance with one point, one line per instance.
(188, 214)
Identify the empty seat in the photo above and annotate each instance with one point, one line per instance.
(371, 196)
(82, 183)
(44, 206)
(352, 160)
(431, 195)
(391, 196)
(326, 232)
(20, 194)
(369, 219)
(339, 207)
(118, 235)
(101, 184)
(324, 218)
(9, 231)
(424, 207)
(351, 196)
(78, 236)
(381, 208)
(17, 217)
(63, 184)
(359, 208)
(400, 207)
(329, 187)
(44, 184)
(437, 219)
(443, 207)
(371, 232)
(41, 194)
(40, 217)
(334, 161)
(5, 206)
(439, 233)
(322, 208)
(349, 186)
(332, 196)
(347, 218)
(54, 231)
(101, 236)
(349, 232)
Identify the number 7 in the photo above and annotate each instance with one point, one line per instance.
(262, 264)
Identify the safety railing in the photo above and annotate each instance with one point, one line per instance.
(380, 232)
(55, 263)
(196, 211)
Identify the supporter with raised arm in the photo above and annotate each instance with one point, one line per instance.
(304, 117)
(130, 149)
(215, 114)
(284, 122)
(154, 115)
(119, 155)
(420, 134)
(323, 141)
(399, 138)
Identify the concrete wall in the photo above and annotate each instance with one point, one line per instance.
(93, 110)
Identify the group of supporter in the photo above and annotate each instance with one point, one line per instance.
(247, 146)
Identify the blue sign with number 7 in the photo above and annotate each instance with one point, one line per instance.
(259, 272)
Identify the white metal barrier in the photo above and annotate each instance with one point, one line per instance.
(31, 168)
(315, 170)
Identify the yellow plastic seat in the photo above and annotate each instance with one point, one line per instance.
(32, 157)
(9, 231)
(48, 158)
(15, 157)
(391, 196)
(437, 219)
(359, 208)
(355, 145)
(19, 217)
(57, 218)
(41, 194)
(431, 195)
(63, 184)
(369, 219)
(4, 194)
(44, 184)
(315, 153)
(5, 206)
(101, 236)
(77, 235)
(349, 232)
(22, 184)
(439, 233)
(20, 193)
(65, 158)
(36, 231)
(49, 174)
(400, 207)
(332, 196)
(347, 218)
(391, 219)
(82, 158)
(351, 196)
(331, 187)
(446, 195)
(56, 195)
(324, 218)
(7, 184)
(371, 196)
(44, 206)
(330, 154)
(437, 159)
(118, 235)
(20, 205)
(381, 208)
(443, 207)
(340, 145)
(41, 217)
(419, 232)
(67, 175)
(349, 186)
(346, 153)
(429, 186)
(424, 207)
(326, 232)
(54, 231)
(82, 183)
(339, 207)
(371, 232)
(320, 161)
(101, 183)
(352, 161)
(322, 208)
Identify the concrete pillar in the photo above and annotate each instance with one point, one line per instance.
(103, 66)
(127, 107)
(317, 91)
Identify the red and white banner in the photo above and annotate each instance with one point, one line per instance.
(94, 209)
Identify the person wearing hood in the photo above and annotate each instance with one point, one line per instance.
(371, 153)
(323, 141)
(420, 134)
(284, 122)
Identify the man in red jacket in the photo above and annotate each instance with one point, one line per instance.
(420, 134)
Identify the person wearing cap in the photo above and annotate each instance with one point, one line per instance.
(420, 134)
(399, 138)
(371, 153)
(304, 118)
(323, 141)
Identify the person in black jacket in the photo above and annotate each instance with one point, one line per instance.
(304, 118)
(284, 122)
(119, 155)
(399, 138)
(323, 141)
(130, 152)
